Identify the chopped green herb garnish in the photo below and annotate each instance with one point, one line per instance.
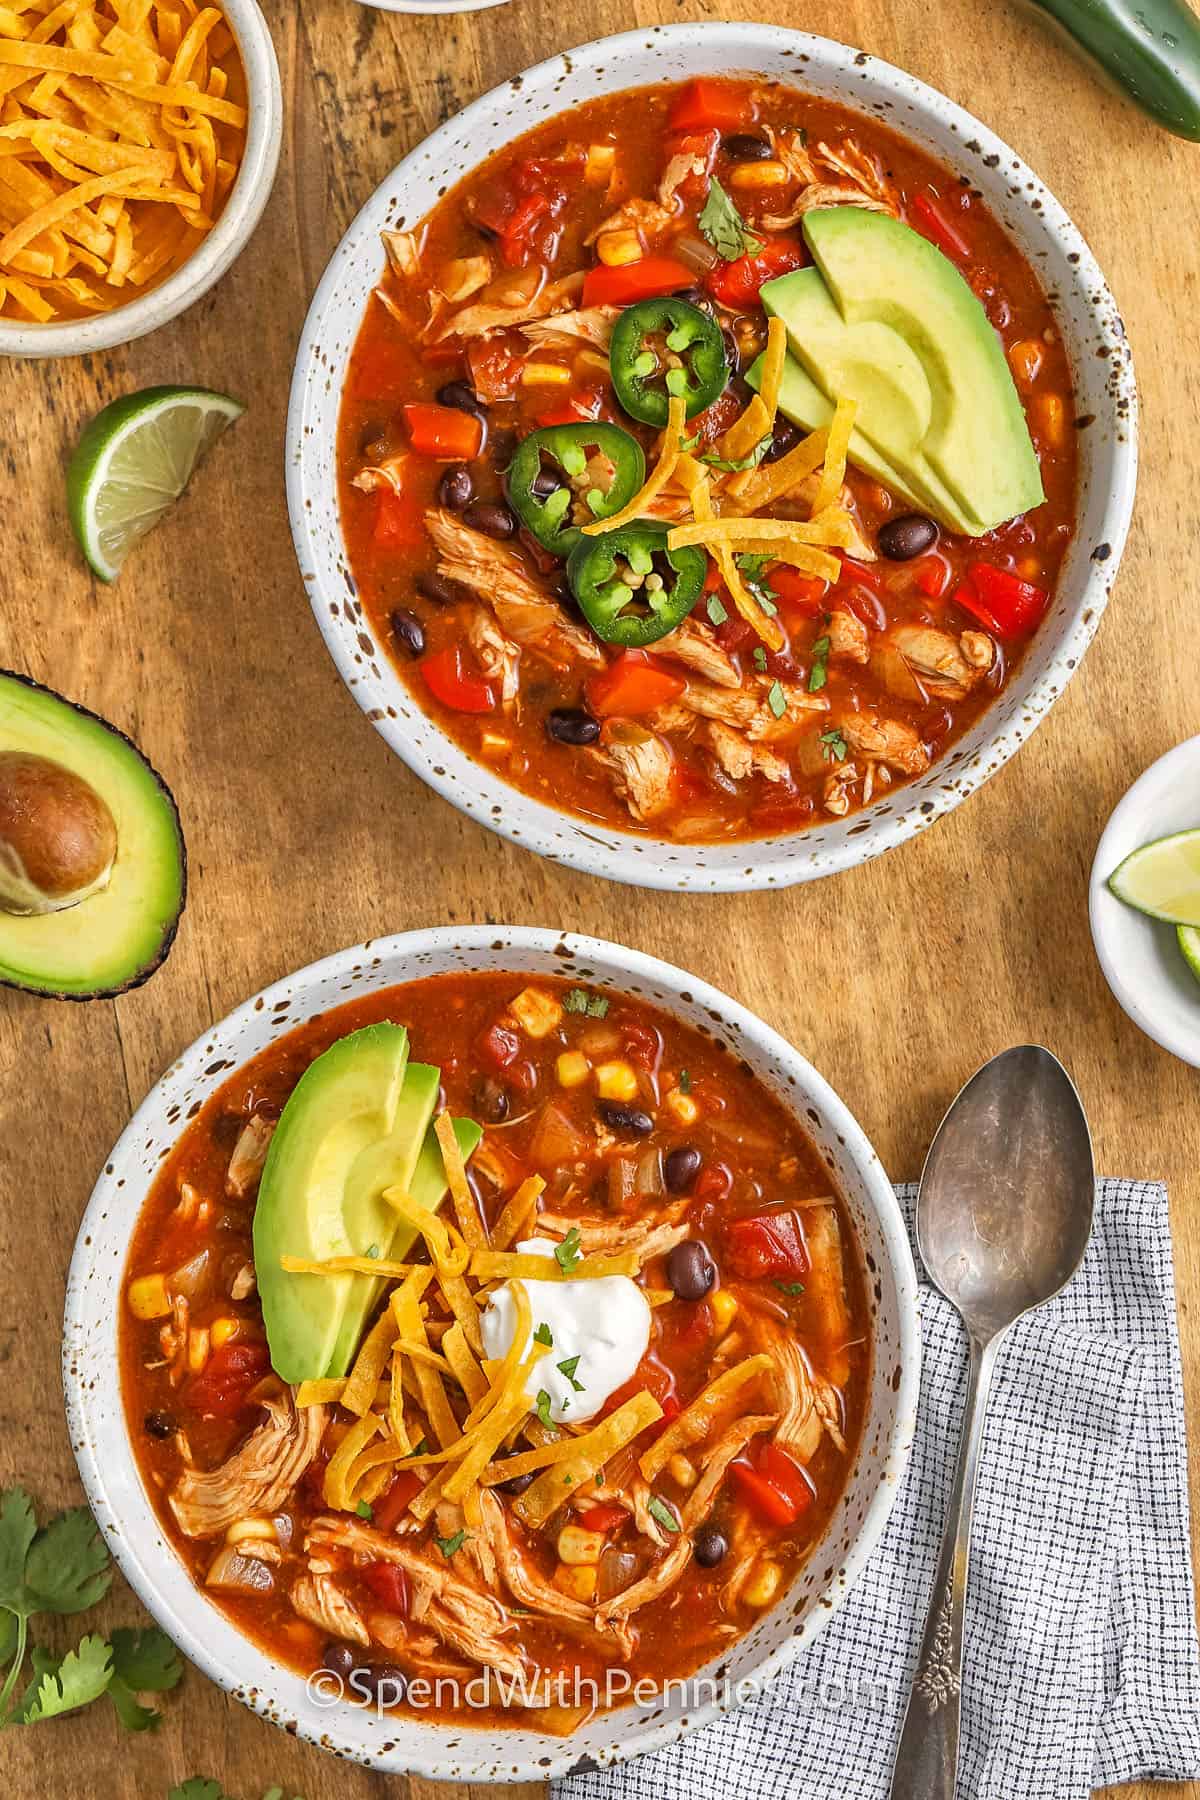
(578, 1000)
(544, 1404)
(760, 659)
(449, 1545)
(568, 1369)
(819, 672)
(569, 1254)
(685, 1081)
(421, 1448)
(742, 462)
(722, 224)
(365, 1511)
(835, 746)
(716, 612)
(791, 1288)
(658, 1509)
(687, 445)
(777, 700)
(544, 1335)
(753, 565)
(373, 1251)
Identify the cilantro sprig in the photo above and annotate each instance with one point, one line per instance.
(724, 227)
(578, 1000)
(63, 1569)
(569, 1254)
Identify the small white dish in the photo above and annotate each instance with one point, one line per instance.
(431, 6)
(1140, 957)
(223, 244)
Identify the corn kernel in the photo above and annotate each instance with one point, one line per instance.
(1052, 418)
(683, 1471)
(545, 374)
(537, 1014)
(572, 1069)
(683, 1106)
(577, 1581)
(492, 744)
(197, 1353)
(724, 1310)
(1026, 359)
(616, 1081)
(222, 1330)
(617, 248)
(756, 175)
(1029, 569)
(575, 1545)
(148, 1297)
(763, 1584)
(599, 166)
(251, 1530)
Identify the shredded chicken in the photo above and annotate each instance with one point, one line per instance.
(940, 659)
(249, 1156)
(647, 217)
(642, 1493)
(740, 758)
(387, 474)
(593, 324)
(799, 705)
(694, 645)
(852, 161)
(498, 657)
(243, 1283)
(528, 1588)
(848, 636)
(641, 766)
(679, 167)
(887, 740)
(318, 1599)
(835, 795)
(647, 1238)
(257, 1478)
(482, 319)
(464, 277)
(791, 150)
(404, 250)
(978, 649)
(423, 1647)
(498, 575)
(799, 1427)
(812, 199)
(695, 1510)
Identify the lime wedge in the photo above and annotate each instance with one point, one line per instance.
(133, 462)
(1163, 879)
(1189, 943)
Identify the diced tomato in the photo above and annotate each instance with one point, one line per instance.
(1005, 604)
(713, 1182)
(796, 592)
(775, 1489)
(399, 521)
(393, 1503)
(766, 1244)
(687, 784)
(783, 809)
(388, 1584)
(643, 280)
(710, 103)
(501, 1045)
(517, 233)
(736, 284)
(445, 432)
(864, 604)
(583, 405)
(220, 1390)
(443, 675)
(633, 684)
(733, 633)
(642, 1044)
(524, 1075)
(932, 575)
(934, 223)
(716, 419)
(441, 356)
(867, 573)
(604, 1516)
(495, 371)
(653, 1377)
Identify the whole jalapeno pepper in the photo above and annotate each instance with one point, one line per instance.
(691, 361)
(546, 477)
(622, 595)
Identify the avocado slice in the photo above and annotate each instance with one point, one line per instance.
(93, 868)
(356, 1122)
(887, 319)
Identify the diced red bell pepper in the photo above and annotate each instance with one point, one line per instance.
(583, 405)
(388, 1584)
(501, 1045)
(653, 1377)
(633, 683)
(1005, 604)
(710, 103)
(399, 521)
(932, 575)
(445, 432)
(220, 1390)
(775, 1488)
(867, 573)
(736, 284)
(644, 280)
(444, 677)
(766, 1244)
(934, 223)
(604, 1516)
(796, 592)
(392, 1505)
(515, 238)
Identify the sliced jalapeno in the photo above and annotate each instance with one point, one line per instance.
(553, 469)
(664, 347)
(632, 590)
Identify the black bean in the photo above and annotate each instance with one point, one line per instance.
(544, 484)
(491, 517)
(387, 1681)
(571, 725)
(709, 1546)
(910, 535)
(408, 630)
(339, 1658)
(432, 586)
(457, 393)
(743, 147)
(785, 437)
(491, 1100)
(518, 1484)
(681, 1168)
(691, 1271)
(456, 489)
(159, 1424)
(629, 1119)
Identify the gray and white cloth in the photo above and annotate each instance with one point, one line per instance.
(1082, 1667)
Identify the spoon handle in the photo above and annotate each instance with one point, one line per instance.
(927, 1760)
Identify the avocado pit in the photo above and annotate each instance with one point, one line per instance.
(58, 837)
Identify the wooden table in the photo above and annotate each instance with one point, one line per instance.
(306, 834)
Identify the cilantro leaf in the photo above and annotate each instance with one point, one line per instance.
(658, 1509)
(132, 1714)
(544, 1404)
(819, 672)
(685, 1081)
(760, 659)
(716, 612)
(777, 699)
(198, 1788)
(67, 1568)
(365, 1510)
(544, 1335)
(753, 565)
(449, 1545)
(569, 1254)
(578, 1000)
(722, 224)
(568, 1369)
(790, 1287)
(421, 1449)
(18, 1528)
(742, 462)
(835, 746)
(81, 1677)
(146, 1660)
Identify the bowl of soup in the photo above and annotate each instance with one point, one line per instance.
(487, 1348)
(772, 630)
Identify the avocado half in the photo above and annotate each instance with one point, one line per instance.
(116, 936)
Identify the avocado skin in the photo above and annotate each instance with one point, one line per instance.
(146, 970)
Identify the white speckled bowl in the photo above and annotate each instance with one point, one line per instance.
(1100, 359)
(221, 246)
(106, 1462)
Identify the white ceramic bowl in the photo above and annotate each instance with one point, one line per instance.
(432, 6)
(1094, 337)
(221, 246)
(101, 1443)
(1141, 958)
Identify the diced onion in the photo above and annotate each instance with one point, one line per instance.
(694, 253)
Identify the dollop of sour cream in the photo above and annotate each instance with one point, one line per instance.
(604, 1323)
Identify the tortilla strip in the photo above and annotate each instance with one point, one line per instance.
(500, 1265)
(659, 476)
(696, 1420)
(583, 1457)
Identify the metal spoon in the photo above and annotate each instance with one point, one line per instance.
(1003, 1219)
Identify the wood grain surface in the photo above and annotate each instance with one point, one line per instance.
(306, 834)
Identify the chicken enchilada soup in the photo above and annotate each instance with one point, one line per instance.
(539, 1362)
(707, 460)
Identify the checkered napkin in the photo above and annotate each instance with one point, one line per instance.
(1082, 1667)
